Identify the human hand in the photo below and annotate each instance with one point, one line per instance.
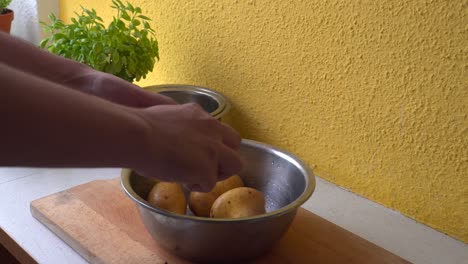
(115, 89)
(189, 146)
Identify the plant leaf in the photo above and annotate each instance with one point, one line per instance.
(120, 3)
(44, 42)
(125, 16)
(120, 48)
(52, 17)
(144, 17)
(130, 7)
(115, 56)
(136, 22)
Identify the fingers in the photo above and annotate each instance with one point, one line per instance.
(229, 162)
(148, 99)
(198, 187)
(162, 99)
(205, 185)
(221, 163)
(230, 137)
(210, 149)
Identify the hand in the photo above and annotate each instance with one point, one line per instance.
(187, 145)
(115, 89)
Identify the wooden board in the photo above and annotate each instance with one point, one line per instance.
(102, 224)
(11, 252)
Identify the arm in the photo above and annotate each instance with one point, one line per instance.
(26, 57)
(46, 124)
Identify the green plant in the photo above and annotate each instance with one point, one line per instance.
(126, 48)
(3, 6)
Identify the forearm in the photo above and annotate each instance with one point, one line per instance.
(45, 124)
(25, 57)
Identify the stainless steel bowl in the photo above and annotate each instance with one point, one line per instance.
(287, 183)
(211, 101)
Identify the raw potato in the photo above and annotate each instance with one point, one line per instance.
(168, 196)
(228, 184)
(200, 203)
(239, 202)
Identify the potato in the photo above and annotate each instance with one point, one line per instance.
(228, 184)
(168, 196)
(239, 202)
(200, 203)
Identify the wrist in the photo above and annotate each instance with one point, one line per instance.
(138, 143)
(79, 77)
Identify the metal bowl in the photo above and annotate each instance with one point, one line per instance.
(211, 101)
(286, 181)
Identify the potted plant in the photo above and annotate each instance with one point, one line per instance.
(126, 48)
(6, 16)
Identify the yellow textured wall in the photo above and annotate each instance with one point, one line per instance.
(373, 93)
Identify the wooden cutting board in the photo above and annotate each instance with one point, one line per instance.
(102, 224)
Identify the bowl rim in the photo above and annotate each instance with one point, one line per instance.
(294, 205)
(224, 105)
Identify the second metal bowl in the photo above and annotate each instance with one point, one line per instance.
(211, 101)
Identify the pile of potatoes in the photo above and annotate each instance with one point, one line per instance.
(228, 199)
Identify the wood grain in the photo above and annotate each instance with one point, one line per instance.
(15, 250)
(102, 225)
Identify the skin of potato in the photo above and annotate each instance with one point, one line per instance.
(200, 203)
(168, 196)
(239, 202)
(230, 183)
